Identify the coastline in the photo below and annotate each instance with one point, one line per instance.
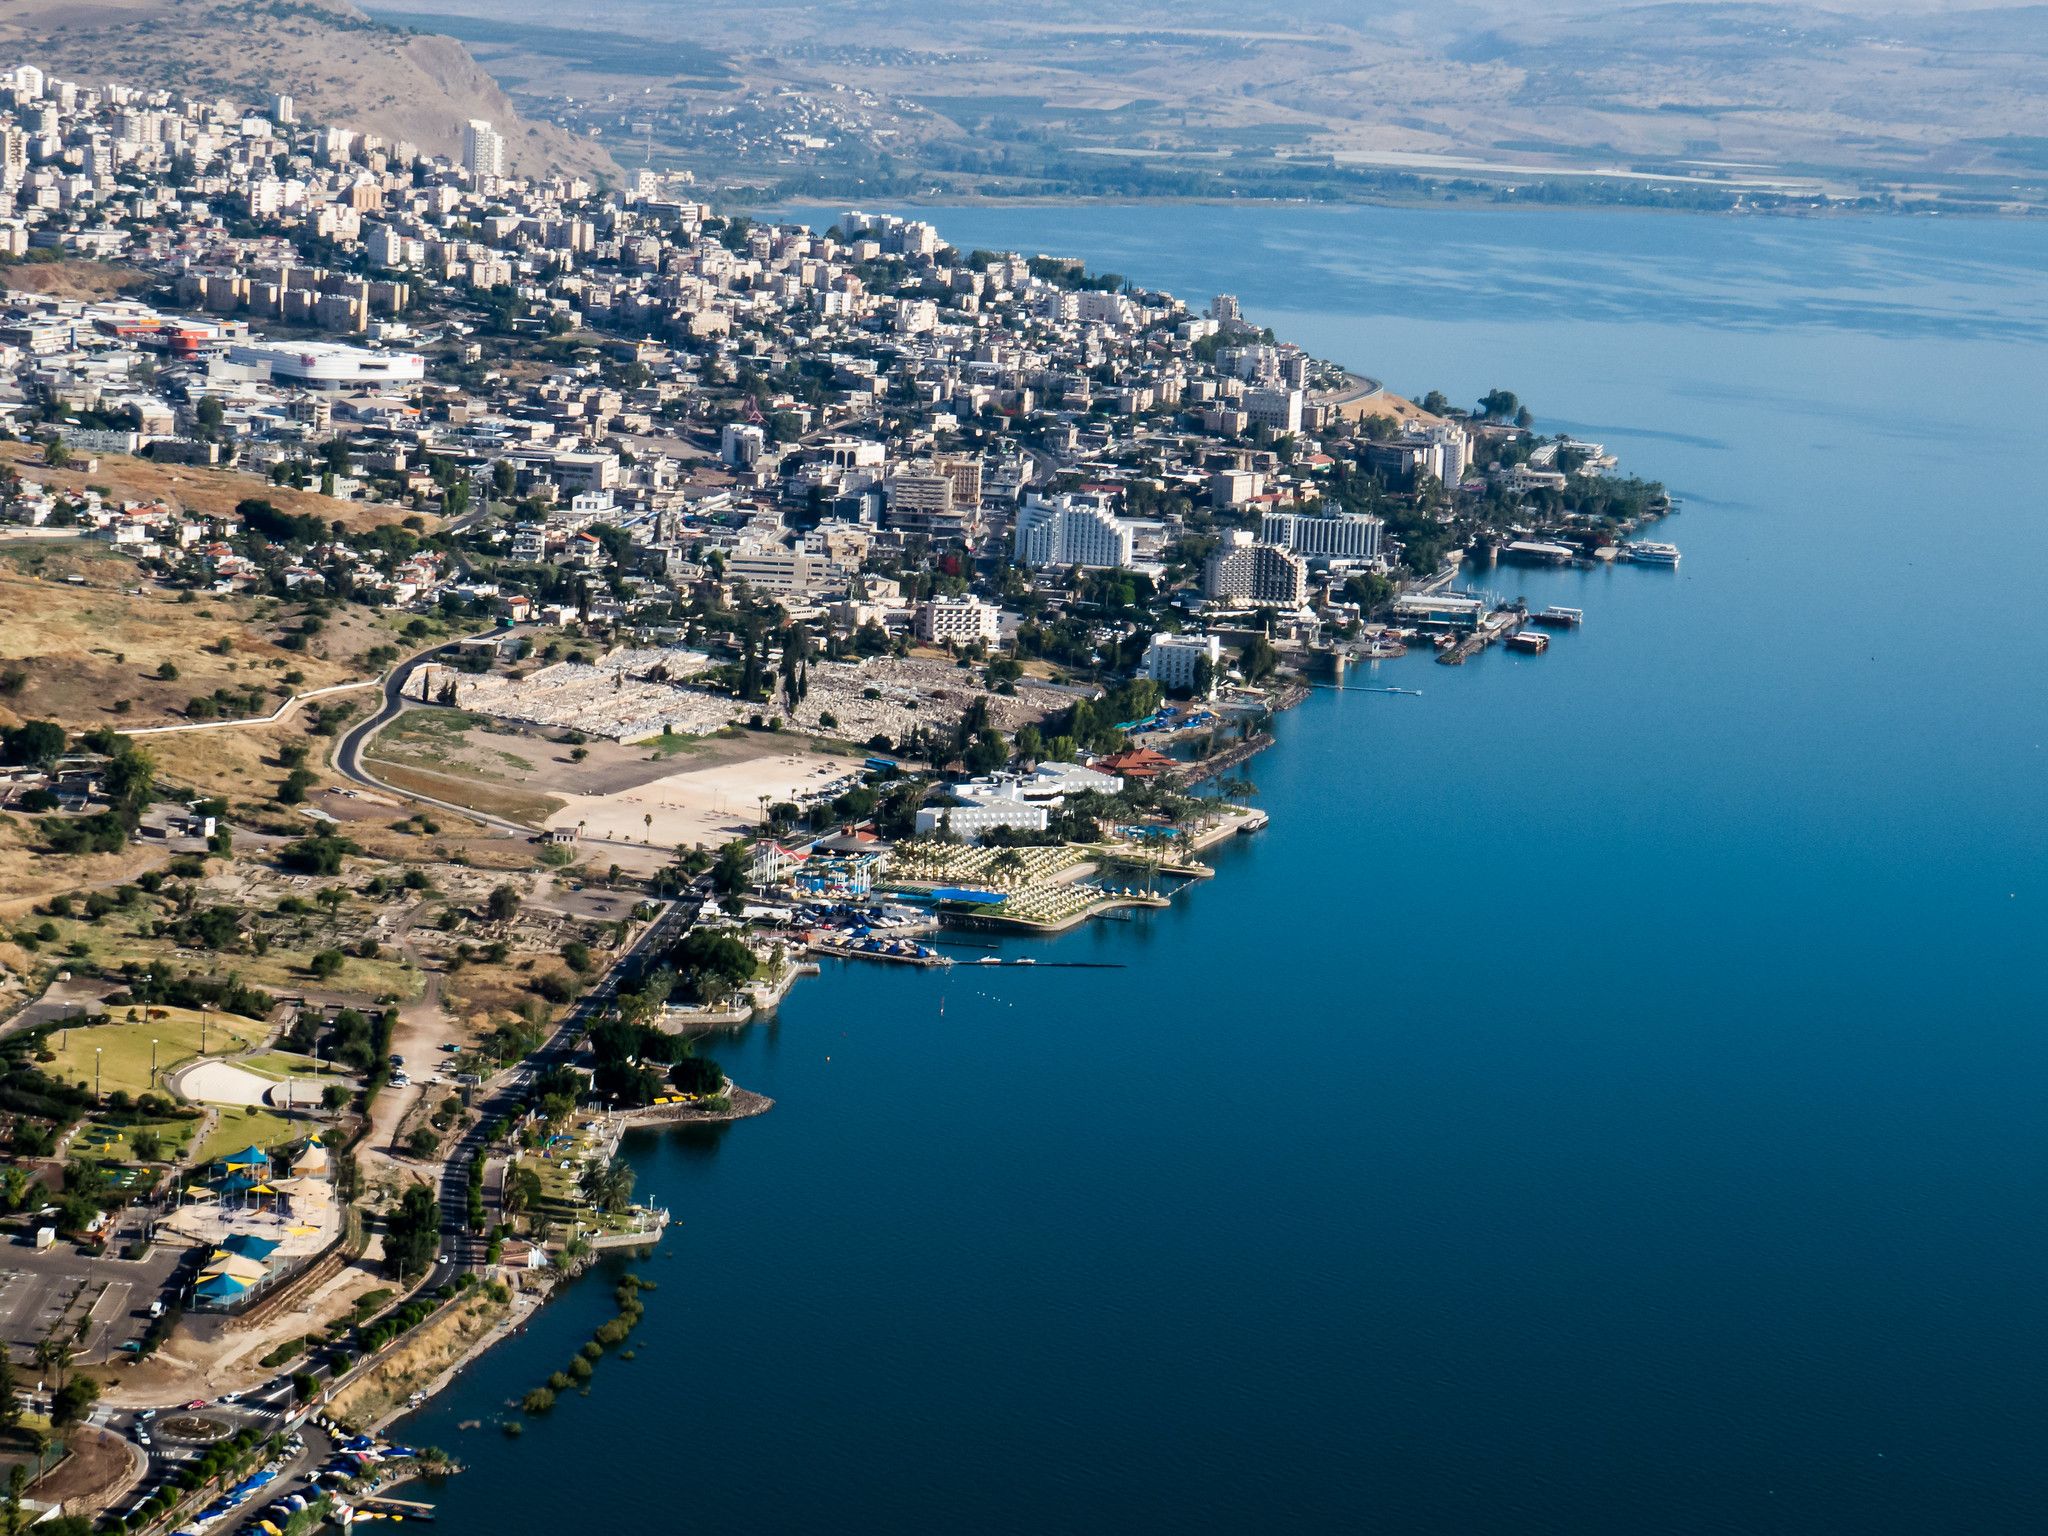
(745, 1104)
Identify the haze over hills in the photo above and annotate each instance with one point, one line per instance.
(1131, 96)
(335, 61)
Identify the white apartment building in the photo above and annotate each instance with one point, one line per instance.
(970, 822)
(1278, 409)
(1349, 536)
(773, 568)
(1245, 571)
(1447, 449)
(741, 443)
(483, 149)
(947, 620)
(1171, 661)
(1073, 530)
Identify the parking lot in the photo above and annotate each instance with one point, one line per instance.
(49, 1292)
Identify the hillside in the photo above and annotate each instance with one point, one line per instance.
(336, 62)
(1678, 102)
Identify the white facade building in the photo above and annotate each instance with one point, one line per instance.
(944, 620)
(1073, 530)
(1171, 661)
(483, 149)
(1245, 571)
(1277, 409)
(970, 822)
(330, 365)
(1350, 536)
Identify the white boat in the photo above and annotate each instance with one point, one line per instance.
(1653, 554)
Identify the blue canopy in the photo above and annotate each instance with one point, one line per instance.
(250, 1246)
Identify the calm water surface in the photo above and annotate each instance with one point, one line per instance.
(1610, 1097)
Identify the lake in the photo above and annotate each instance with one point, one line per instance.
(1607, 1100)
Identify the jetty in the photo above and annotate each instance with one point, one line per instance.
(1497, 625)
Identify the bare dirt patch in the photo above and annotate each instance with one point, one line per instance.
(196, 488)
(72, 279)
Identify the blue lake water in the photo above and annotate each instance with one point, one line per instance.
(1609, 1099)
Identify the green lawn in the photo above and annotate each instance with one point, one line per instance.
(122, 1050)
(239, 1128)
(673, 744)
(284, 1064)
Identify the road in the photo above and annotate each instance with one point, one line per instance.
(507, 1092)
(348, 756)
(275, 1401)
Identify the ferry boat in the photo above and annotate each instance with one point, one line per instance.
(1527, 640)
(1555, 617)
(1653, 554)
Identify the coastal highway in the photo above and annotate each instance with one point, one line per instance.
(507, 1094)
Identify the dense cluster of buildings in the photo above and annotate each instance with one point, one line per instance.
(867, 424)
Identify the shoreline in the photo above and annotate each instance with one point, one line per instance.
(1836, 209)
(745, 1104)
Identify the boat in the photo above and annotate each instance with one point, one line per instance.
(1533, 644)
(1652, 554)
(1555, 617)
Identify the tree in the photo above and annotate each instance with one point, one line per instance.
(10, 1395)
(147, 1146)
(36, 743)
(73, 1401)
(733, 871)
(609, 1186)
(412, 1233)
(326, 964)
(503, 903)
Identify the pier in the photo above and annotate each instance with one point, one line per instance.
(919, 956)
(1497, 625)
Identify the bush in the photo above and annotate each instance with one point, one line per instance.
(539, 1400)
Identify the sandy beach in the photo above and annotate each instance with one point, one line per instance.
(708, 805)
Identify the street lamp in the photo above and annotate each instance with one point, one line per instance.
(152, 1063)
(97, 1052)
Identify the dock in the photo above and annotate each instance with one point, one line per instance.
(920, 956)
(1497, 625)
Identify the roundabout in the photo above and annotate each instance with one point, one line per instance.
(194, 1429)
